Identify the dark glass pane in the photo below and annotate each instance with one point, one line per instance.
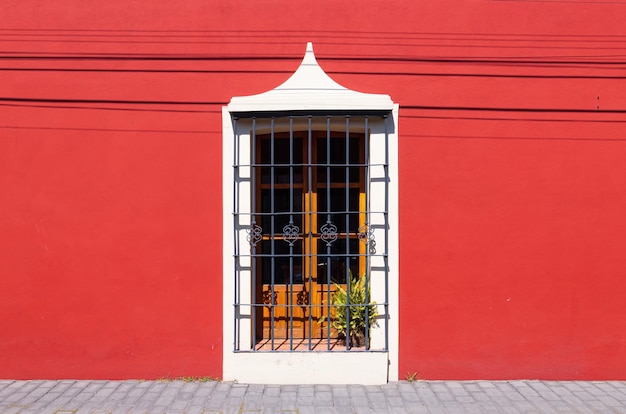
(281, 157)
(338, 175)
(355, 150)
(338, 157)
(287, 268)
(355, 174)
(339, 209)
(281, 211)
(281, 175)
(338, 260)
(264, 151)
(281, 151)
(265, 175)
(338, 150)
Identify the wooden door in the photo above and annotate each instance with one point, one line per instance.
(310, 201)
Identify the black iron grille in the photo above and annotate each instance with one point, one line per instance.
(303, 196)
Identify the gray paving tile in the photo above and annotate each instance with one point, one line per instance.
(13, 386)
(409, 386)
(196, 409)
(395, 402)
(323, 395)
(584, 395)
(376, 396)
(307, 390)
(16, 396)
(452, 407)
(309, 409)
(288, 395)
(459, 392)
(49, 410)
(610, 401)
(493, 391)
(414, 397)
(204, 389)
(445, 397)
(259, 389)
(362, 410)
(471, 386)
(359, 402)
(594, 389)
(480, 396)
(391, 392)
(439, 386)
(416, 409)
(378, 405)
(465, 400)
(472, 408)
(340, 391)
(397, 410)
(341, 401)
(343, 409)
(154, 397)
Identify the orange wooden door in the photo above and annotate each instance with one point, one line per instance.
(310, 207)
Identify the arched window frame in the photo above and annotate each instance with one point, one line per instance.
(309, 95)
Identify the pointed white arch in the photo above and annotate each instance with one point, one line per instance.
(310, 89)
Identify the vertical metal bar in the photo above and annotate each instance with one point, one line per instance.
(290, 290)
(253, 258)
(310, 214)
(367, 229)
(235, 229)
(272, 234)
(347, 229)
(386, 215)
(328, 261)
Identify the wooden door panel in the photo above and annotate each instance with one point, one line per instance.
(290, 312)
(293, 285)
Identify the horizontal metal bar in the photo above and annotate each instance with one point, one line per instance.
(314, 114)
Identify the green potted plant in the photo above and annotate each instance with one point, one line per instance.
(350, 318)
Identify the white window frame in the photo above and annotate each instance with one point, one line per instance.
(309, 89)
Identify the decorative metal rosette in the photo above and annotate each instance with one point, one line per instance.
(255, 234)
(328, 233)
(366, 235)
(291, 233)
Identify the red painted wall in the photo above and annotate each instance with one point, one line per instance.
(511, 178)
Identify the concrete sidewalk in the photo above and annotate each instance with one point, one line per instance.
(175, 397)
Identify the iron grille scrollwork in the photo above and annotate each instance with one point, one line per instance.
(328, 233)
(291, 233)
(366, 235)
(255, 234)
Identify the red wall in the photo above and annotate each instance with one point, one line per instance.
(511, 178)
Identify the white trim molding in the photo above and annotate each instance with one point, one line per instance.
(310, 89)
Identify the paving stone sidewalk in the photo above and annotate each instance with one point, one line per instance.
(178, 397)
